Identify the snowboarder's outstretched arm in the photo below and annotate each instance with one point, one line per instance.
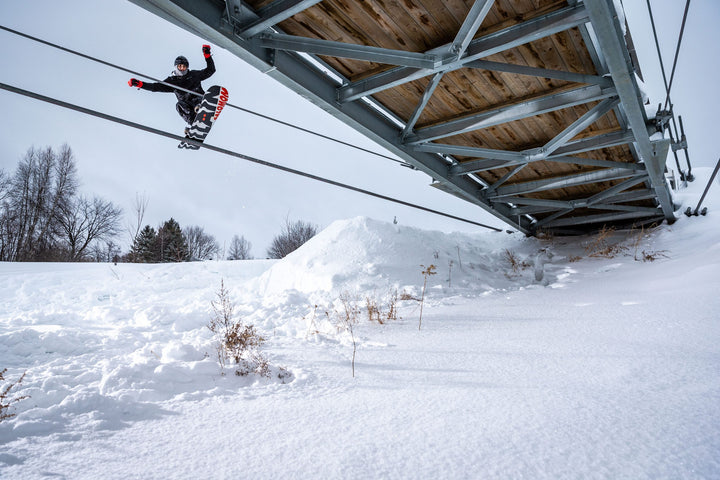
(153, 87)
(210, 68)
(190, 80)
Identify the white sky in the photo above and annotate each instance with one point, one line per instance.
(228, 196)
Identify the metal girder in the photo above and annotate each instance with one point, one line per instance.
(591, 162)
(472, 22)
(274, 13)
(632, 196)
(509, 158)
(561, 182)
(504, 179)
(469, 152)
(536, 205)
(615, 189)
(602, 218)
(650, 211)
(344, 50)
(610, 38)
(596, 142)
(485, 165)
(579, 125)
(553, 217)
(470, 26)
(429, 90)
(510, 113)
(487, 45)
(562, 208)
(540, 72)
(541, 202)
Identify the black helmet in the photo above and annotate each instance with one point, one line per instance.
(181, 60)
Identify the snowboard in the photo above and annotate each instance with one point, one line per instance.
(211, 105)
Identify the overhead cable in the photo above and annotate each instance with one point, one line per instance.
(668, 86)
(677, 52)
(251, 112)
(231, 153)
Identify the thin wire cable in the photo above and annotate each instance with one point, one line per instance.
(242, 109)
(665, 82)
(677, 52)
(657, 47)
(231, 153)
(674, 133)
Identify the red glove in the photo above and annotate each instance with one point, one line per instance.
(133, 82)
(206, 50)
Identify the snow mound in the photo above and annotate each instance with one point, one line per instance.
(362, 254)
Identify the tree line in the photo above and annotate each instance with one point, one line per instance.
(43, 217)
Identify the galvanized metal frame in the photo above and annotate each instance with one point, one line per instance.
(255, 37)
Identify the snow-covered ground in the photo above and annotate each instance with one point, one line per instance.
(572, 367)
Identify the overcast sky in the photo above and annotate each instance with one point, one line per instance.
(228, 196)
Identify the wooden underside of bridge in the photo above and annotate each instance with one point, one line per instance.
(528, 108)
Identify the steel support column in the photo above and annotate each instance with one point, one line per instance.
(609, 34)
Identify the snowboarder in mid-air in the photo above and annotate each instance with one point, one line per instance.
(188, 103)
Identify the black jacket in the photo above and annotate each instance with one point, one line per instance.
(190, 81)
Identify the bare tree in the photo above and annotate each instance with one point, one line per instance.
(107, 251)
(239, 249)
(292, 237)
(4, 218)
(4, 186)
(42, 187)
(139, 207)
(200, 245)
(85, 221)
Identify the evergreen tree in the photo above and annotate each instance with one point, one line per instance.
(172, 243)
(144, 248)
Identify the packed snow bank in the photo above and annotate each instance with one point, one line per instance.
(362, 254)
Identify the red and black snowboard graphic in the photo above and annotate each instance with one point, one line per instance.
(211, 105)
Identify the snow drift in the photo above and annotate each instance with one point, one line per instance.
(569, 365)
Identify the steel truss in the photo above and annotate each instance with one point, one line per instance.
(293, 61)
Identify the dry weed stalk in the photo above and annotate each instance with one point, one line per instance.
(392, 313)
(515, 263)
(646, 256)
(236, 341)
(426, 272)
(376, 312)
(312, 326)
(652, 255)
(512, 259)
(408, 296)
(373, 310)
(348, 318)
(5, 400)
(601, 246)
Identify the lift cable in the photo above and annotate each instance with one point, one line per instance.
(668, 86)
(677, 52)
(251, 112)
(657, 47)
(231, 153)
(665, 82)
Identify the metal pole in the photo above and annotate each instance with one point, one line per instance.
(712, 177)
(683, 140)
